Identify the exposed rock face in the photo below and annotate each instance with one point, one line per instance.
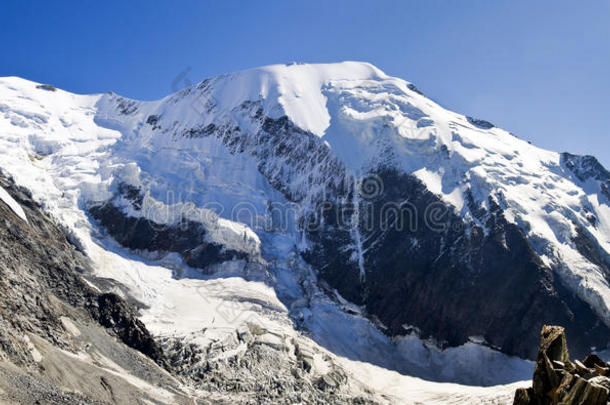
(438, 276)
(479, 123)
(113, 313)
(588, 167)
(186, 238)
(559, 381)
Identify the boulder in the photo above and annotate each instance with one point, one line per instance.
(558, 381)
(553, 344)
(524, 396)
(553, 347)
(583, 392)
(593, 360)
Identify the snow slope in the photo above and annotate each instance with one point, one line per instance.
(71, 150)
(13, 205)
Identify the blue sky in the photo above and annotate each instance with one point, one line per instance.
(540, 69)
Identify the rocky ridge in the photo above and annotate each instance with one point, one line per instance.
(560, 381)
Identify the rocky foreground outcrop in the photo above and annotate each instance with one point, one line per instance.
(559, 381)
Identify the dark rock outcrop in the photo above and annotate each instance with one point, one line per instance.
(112, 312)
(186, 238)
(47, 87)
(588, 167)
(479, 123)
(414, 88)
(559, 381)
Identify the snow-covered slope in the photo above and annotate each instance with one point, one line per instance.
(221, 178)
(13, 205)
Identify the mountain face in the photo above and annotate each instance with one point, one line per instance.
(345, 197)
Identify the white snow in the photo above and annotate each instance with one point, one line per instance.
(12, 204)
(293, 90)
(401, 389)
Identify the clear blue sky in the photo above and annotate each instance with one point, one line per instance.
(540, 69)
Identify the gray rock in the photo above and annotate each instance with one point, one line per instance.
(566, 384)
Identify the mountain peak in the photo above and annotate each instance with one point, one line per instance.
(346, 70)
(294, 89)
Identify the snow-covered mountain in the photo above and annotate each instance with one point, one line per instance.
(335, 207)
